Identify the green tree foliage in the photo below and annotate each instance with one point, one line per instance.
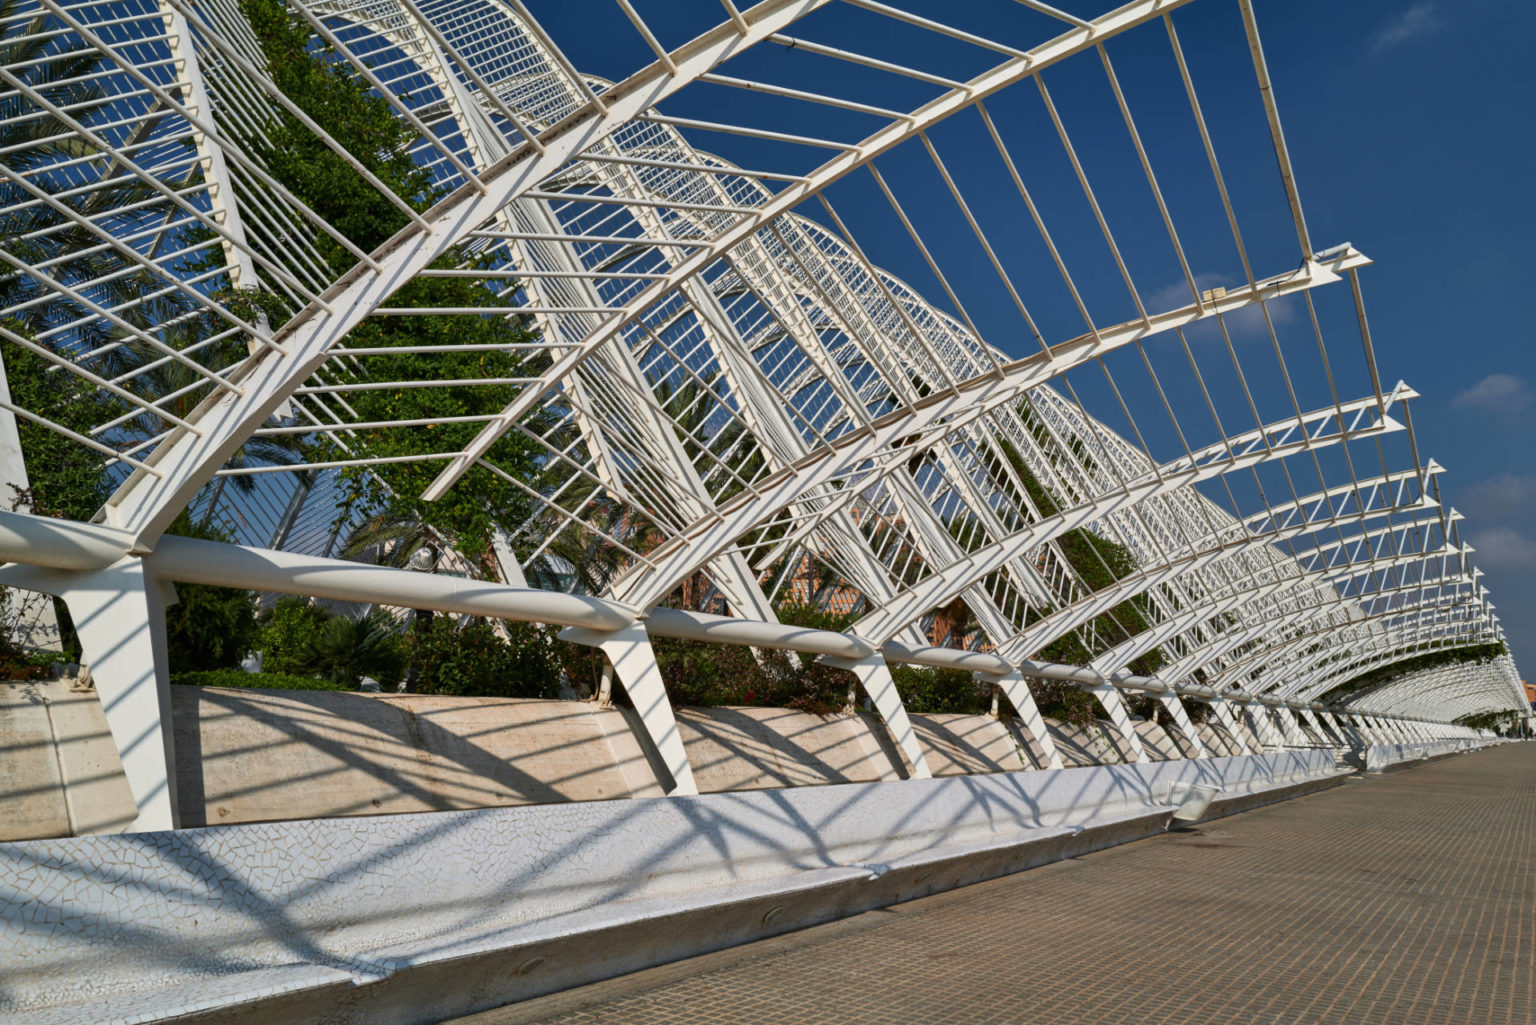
(286, 630)
(63, 482)
(309, 74)
(1100, 562)
(364, 124)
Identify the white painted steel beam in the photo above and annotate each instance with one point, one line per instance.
(145, 504)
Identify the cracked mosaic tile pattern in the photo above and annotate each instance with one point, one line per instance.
(148, 925)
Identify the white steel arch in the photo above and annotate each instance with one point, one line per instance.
(727, 379)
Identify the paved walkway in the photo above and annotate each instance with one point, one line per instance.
(1399, 899)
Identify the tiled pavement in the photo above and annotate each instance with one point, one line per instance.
(1400, 899)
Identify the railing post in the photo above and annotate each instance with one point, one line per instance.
(1223, 712)
(1114, 706)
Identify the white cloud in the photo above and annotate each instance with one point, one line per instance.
(1249, 320)
(1504, 497)
(1501, 394)
(1420, 19)
(1503, 548)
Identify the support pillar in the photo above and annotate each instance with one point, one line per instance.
(1315, 724)
(1385, 731)
(1114, 706)
(1371, 729)
(876, 678)
(119, 614)
(1223, 712)
(1263, 725)
(1181, 719)
(634, 662)
(1361, 729)
(1016, 689)
(1293, 735)
(1334, 729)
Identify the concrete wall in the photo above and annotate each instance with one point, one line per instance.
(59, 770)
(265, 755)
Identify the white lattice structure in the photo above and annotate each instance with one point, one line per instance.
(723, 354)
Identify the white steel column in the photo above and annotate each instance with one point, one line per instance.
(629, 651)
(1293, 734)
(1181, 719)
(1315, 724)
(1371, 729)
(1016, 689)
(1338, 727)
(1223, 712)
(1114, 706)
(875, 676)
(1263, 724)
(119, 613)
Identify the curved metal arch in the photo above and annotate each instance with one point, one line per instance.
(1282, 652)
(946, 583)
(1014, 70)
(1132, 648)
(1187, 563)
(1452, 691)
(1225, 643)
(146, 502)
(929, 420)
(1278, 654)
(1300, 676)
(1384, 633)
(1386, 656)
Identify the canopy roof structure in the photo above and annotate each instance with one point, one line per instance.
(965, 295)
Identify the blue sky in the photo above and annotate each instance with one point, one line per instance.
(1411, 133)
(1414, 135)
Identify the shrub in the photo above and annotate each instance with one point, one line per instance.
(286, 628)
(345, 650)
(241, 678)
(1065, 702)
(706, 675)
(925, 689)
(16, 663)
(208, 627)
(474, 660)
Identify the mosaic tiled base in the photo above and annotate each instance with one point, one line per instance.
(1382, 756)
(147, 926)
